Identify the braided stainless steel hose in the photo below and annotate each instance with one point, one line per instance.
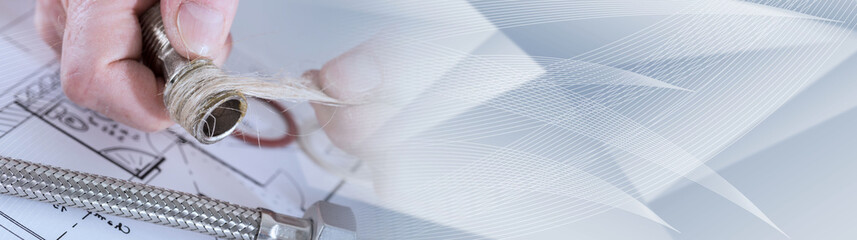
(167, 207)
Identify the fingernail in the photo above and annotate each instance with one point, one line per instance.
(351, 75)
(200, 27)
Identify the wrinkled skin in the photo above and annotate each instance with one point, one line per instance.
(100, 45)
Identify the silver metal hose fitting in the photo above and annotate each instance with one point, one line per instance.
(166, 207)
(222, 110)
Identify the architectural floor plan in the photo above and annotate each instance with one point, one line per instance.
(38, 123)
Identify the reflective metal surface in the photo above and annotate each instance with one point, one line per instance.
(163, 59)
(127, 199)
(166, 207)
(331, 222)
(275, 226)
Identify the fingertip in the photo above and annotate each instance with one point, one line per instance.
(342, 132)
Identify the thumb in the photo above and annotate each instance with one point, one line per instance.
(199, 28)
(353, 75)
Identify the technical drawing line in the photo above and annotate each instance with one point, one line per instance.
(6, 131)
(19, 83)
(342, 182)
(335, 189)
(189, 170)
(16, 44)
(10, 231)
(17, 20)
(21, 225)
(267, 182)
(84, 144)
(224, 163)
(148, 166)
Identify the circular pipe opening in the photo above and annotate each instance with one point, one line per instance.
(222, 119)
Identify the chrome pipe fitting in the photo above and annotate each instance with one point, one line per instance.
(223, 110)
(170, 208)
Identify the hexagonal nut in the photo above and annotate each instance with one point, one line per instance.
(331, 221)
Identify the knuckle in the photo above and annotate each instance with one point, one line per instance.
(76, 87)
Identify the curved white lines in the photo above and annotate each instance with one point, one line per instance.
(545, 108)
(571, 72)
(447, 18)
(498, 145)
(504, 183)
(708, 178)
(551, 99)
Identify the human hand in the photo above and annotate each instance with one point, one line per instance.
(100, 46)
(357, 75)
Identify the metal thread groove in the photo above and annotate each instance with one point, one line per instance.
(127, 199)
(206, 112)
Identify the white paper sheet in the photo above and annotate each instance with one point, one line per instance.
(37, 123)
